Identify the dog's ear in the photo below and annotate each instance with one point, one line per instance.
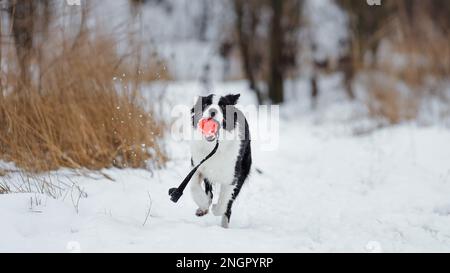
(205, 100)
(232, 99)
(201, 101)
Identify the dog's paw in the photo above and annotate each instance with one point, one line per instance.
(217, 210)
(225, 222)
(201, 212)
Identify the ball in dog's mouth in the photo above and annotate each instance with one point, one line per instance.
(209, 128)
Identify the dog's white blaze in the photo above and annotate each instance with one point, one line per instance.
(219, 116)
(216, 99)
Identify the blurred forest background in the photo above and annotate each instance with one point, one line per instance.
(71, 76)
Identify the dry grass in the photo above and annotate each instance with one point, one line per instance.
(388, 103)
(3, 190)
(77, 115)
(424, 51)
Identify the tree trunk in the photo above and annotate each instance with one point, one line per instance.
(276, 88)
(314, 91)
(348, 66)
(22, 17)
(244, 46)
(203, 22)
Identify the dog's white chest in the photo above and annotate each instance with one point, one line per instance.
(220, 168)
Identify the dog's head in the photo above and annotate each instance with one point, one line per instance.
(215, 108)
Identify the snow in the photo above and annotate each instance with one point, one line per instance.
(324, 189)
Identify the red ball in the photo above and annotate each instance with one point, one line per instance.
(209, 127)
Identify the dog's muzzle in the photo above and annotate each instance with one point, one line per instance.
(209, 128)
(210, 138)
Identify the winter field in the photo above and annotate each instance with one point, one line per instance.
(360, 165)
(327, 187)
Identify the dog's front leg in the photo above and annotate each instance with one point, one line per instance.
(201, 198)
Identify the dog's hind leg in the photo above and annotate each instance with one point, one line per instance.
(228, 194)
(202, 197)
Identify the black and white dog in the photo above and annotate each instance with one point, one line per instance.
(230, 166)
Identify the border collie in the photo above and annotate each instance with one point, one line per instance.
(230, 166)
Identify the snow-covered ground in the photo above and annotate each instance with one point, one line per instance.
(323, 189)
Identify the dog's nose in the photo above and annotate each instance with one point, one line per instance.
(212, 113)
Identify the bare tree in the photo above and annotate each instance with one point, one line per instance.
(22, 20)
(203, 20)
(276, 87)
(246, 23)
(269, 65)
(30, 21)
